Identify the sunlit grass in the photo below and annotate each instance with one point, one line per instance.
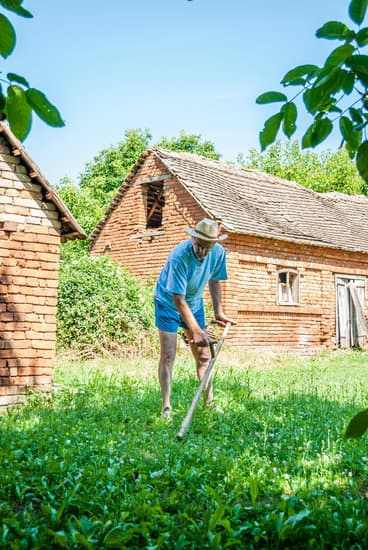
(96, 467)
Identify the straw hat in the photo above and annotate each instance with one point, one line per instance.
(206, 230)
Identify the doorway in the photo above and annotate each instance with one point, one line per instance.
(351, 326)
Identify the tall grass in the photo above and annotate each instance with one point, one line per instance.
(96, 467)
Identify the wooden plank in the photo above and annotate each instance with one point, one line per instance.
(155, 205)
(154, 179)
(361, 321)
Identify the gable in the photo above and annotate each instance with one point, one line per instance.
(17, 165)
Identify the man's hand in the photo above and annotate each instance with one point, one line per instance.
(222, 319)
(200, 338)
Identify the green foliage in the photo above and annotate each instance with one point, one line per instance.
(336, 91)
(100, 306)
(95, 467)
(107, 171)
(190, 144)
(83, 203)
(19, 100)
(327, 171)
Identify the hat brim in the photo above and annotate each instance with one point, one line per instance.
(193, 233)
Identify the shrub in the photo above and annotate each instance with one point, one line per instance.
(101, 306)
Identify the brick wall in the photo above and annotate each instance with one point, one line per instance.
(250, 292)
(29, 255)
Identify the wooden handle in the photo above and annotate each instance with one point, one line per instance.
(187, 420)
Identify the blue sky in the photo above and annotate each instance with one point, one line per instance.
(165, 65)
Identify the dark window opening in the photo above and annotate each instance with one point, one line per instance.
(155, 204)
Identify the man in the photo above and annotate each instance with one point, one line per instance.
(179, 302)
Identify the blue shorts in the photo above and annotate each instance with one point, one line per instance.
(169, 320)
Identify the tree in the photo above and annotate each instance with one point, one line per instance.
(107, 171)
(17, 98)
(326, 171)
(190, 144)
(335, 92)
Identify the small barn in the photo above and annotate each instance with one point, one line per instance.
(297, 260)
(33, 223)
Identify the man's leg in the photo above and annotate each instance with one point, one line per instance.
(202, 357)
(167, 358)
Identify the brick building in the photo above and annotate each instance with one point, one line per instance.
(33, 222)
(297, 260)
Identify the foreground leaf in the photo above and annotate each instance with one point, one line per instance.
(290, 113)
(362, 37)
(42, 106)
(362, 160)
(18, 111)
(317, 132)
(7, 37)
(17, 78)
(357, 10)
(357, 425)
(339, 55)
(298, 72)
(359, 64)
(269, 132)
(271, 97)
(333, 30)
(15, 6)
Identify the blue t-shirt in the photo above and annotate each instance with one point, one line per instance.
(184, 274)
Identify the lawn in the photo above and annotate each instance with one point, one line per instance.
(96, 467)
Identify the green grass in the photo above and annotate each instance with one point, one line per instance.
(95, 466)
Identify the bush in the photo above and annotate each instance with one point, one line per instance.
(101, 306)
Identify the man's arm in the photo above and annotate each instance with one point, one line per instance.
(200, 337)
(216, 296)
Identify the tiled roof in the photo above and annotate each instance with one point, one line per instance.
(253, 203)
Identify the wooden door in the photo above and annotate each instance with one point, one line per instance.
(351, 326)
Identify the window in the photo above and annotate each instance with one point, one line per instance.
(155, 201)
(287, 287)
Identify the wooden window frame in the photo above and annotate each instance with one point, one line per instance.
(292, 287)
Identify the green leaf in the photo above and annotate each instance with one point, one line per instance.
(7, 37)
(15, 6)
(347, 83)
(351, 135)
(317, 99)
(18, 112)
(358, 63)
(362, 37)
(290, 113)
(270, 129)
(357, 10)
(271, 97)
(356, 115)
(330, 80)
(298, 72)
(346, 128)
(339, 55)
(333, 30)
(359, 423)
(317, 132)
(362, 162)
(17, 78)
(45, 110)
